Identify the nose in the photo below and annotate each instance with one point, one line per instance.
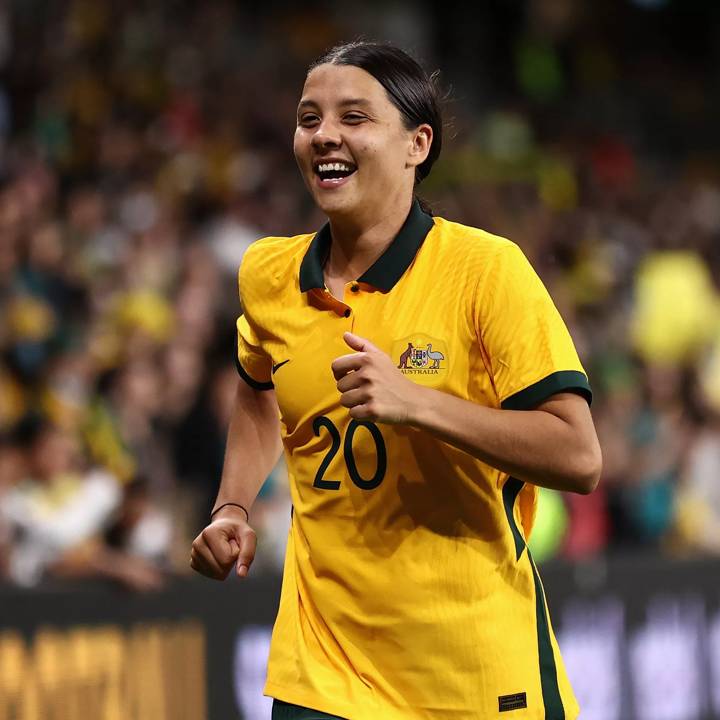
(326, 136)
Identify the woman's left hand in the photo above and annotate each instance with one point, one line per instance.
(371, 386)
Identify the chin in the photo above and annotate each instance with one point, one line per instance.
(335, 205)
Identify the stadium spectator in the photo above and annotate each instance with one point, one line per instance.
(57, 515)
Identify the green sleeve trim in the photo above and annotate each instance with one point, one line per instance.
(560, 381)
(250, 381)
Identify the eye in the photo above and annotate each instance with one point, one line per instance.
(354, 118)
(308, 119)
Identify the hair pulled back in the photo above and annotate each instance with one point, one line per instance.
(410, 89)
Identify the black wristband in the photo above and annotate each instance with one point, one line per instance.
(244, 509)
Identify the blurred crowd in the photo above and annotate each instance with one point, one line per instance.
(144, 146)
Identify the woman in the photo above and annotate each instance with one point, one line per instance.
(426, 387)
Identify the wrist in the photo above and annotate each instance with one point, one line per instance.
(230, 509)
(419, 407)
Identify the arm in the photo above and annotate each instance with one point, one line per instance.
(554, 445)
(253, 446)
(253, 449)
(96, 560)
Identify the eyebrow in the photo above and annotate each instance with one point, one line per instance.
(343, 103)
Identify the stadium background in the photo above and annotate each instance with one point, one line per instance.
(144, 145)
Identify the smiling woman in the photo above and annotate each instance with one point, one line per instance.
(426, 386)
(369, 122)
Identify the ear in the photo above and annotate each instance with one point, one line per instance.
(421, 141)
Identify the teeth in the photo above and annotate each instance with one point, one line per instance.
(328, 167)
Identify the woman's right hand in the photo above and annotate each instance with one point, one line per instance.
(228, 540)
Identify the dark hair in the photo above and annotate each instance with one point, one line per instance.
(410, 89)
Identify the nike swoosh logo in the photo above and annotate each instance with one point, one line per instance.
(278, 366)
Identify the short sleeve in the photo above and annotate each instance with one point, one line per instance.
(253, 363)
(529, 348)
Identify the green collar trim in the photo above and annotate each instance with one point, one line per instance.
(386, 270)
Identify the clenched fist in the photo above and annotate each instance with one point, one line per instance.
(371, 386)
(227, 541)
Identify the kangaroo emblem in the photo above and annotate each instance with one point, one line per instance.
(435, 356)
(406, 356)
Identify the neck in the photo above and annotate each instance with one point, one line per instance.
(356, 245)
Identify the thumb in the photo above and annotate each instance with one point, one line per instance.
(247, 542)
(358, 343)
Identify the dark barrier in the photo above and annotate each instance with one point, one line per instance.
(640, 638)
(94, 652)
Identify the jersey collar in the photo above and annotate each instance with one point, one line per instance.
(386, 270)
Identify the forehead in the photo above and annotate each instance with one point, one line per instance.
(334, 84)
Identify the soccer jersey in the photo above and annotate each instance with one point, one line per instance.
(408, 589)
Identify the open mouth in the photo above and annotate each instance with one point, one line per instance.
(334, 172)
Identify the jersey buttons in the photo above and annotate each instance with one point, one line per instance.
(355, 287)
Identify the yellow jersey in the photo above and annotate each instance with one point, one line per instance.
(408, 588)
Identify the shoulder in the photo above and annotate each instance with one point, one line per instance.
(480, 248)
(272, 259)
(269, 253)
